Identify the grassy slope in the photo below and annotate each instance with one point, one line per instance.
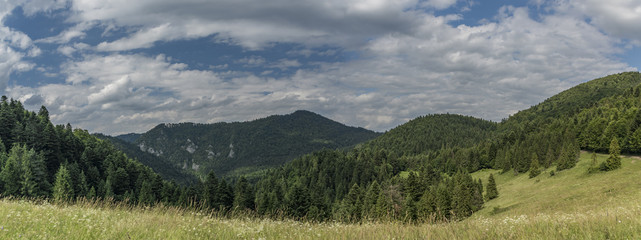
(569, 205)
(569, 191)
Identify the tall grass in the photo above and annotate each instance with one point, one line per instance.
(570, 205)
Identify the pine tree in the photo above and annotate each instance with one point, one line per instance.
(109, 192)
(369, 200)
(535, 168)
(92, 193)
(383, 207)
(83, 187)
(62, 189)
(443, 200)
(12, 172)
(463, 202)
(35, 177)
(569, 157)
(211, 195)
(351, 205)
(593, 164)
(146, 196)
(226, 195)
(614, 160)
(243, 195)
(426, 206)
(491, 191)
(298, 200)
(409, 209)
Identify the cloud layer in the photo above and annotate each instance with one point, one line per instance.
(409, 61)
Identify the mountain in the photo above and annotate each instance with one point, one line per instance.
(159, 165)
(571, 101)
(432, 132)
(418, 171)
(129, 137)
(41, 161)
(242, 147)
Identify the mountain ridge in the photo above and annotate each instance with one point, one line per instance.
(250, 145)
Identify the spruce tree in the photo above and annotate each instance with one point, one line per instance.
(426, 206)
(298, 200)
(211, 194)
(369, 201)
(351, 204)
(491, 191)
(409, 209)
(382, 207)
(535, 168)
(63, 188)
(568, 158)
(226, 195)
(34, 179)
(243, 195)
(83, 187)
(443, 200)
(593, 164)
(614, 160)
(12, 172)
(146, 196)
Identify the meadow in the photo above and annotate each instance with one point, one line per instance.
(572, 204)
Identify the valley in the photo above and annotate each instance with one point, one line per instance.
(564, 168)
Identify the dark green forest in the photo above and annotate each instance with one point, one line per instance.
(417, 172)
(238, 148)
(164, 168)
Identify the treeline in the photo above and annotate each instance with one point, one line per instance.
(366, 185)
(40, 160)
(590, 117)
(417, 171)
(427, 133)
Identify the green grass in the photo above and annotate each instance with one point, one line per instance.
(568, 191)
(570, 205)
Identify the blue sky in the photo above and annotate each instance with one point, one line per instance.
(118, 66)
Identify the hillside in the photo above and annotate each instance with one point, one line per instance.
(417, 171)
(567, 192)
(569, 205)
(242, 147)
(129, 137)
(572, 101)
(432, 132)
(159, 165)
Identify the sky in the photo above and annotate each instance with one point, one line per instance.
(116, 66)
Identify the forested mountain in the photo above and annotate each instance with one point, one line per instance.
(397, 176)
(432, 132)
(40, 160)
(159, 165)
(418, 171)
(129, 137)
(244, 147)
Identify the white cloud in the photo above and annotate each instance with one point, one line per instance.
(439, 4)
(620, 18)
(252, 24)
(77, 31)
(411, 63)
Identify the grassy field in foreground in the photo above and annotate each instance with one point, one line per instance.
(569, 205)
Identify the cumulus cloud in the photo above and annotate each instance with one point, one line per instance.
(252, 24)
(618, 17)
(410, 62)
(439, 4)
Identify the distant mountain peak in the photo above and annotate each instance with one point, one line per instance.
(265, 142)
